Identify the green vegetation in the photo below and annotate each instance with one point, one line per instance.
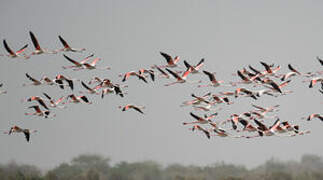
(95, 167)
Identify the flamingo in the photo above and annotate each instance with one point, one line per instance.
(117, 90)
(320, 60)
(264, 131)
(38, 112)
(315, 115)
(314, 81)
(95, 80)
(194, 69)
(214, 82)
(200, 120)
(269, 69)
(171, 62)
(68, 47)
(222, 133)
(46, 80)
(293, 72)
(89, 90)
(202, 99)
(267, 109)
(274, 86)
(77, 64)
(195, 101)
(149, 71)
(255, 70)
(287, 127)
(245, 80)
(234, 120)
(60, 78)
(261, 115)
(133, 73)
(78, 99)
(16, 54)
(208, 107)
(248, 93)
(251, 75)
(179, 79)
(39, 100)
(131, 106)
(38, 49)
(227, 93)
(288, 75)
(197, 127)
(290, 67)
(92, 65)
(220, 100)
(163, 73)
(54, 103)
(247, 126)
(17, 129)
(35, 82)
(104, 83)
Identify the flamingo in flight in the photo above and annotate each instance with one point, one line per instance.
(292, 73)
(54, 103)
(78, 99)
(89, 90)
(67, 47)
(163, 73)
(248, 93)
(147, 71)
(179, 79)
(223, 133)
(16, 54)
(133, 73)
(274, 86)
(60, 78)
(214, 82)
(92, 65)
(95, 80)
(197, 100)
(265, 109)
(38, 49)
(315, 115)
(38, 112)
(286, 127)
(46, 80)
(245, 79)
(194, 69)
(269, 70)
(77, 64)
(131, 106)
(247, 126)
(314, 81)
(264, 131)
(39, 100)
(320, 60)
(17, 129)
(171, 62)
(35, 82)
(197, 127)
(200, 120)
(220, 100)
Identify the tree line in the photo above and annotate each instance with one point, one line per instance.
(96, 167)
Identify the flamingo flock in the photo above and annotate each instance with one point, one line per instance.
(251, 83)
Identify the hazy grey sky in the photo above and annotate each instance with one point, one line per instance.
(128, 35)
